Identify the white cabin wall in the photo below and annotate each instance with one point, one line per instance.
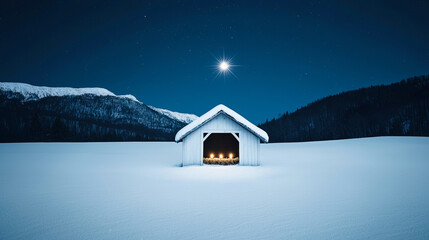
(191, 154)
(249, 143)
(249, 149)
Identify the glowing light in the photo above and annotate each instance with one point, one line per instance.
(221, 155)
(211, 155)
(231, 155)
(224, 66)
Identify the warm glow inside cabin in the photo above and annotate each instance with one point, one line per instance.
(221, 148)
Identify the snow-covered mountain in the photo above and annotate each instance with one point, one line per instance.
(183, 117)
(85, 114)
(32, 93)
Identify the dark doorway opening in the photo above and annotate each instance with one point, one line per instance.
(221, 148)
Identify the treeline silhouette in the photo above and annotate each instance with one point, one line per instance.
(82, 118)
(398, 109)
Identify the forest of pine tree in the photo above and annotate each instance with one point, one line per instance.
(82, 118)
(398, 109)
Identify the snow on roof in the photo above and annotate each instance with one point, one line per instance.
(221, 109)
(31, 92)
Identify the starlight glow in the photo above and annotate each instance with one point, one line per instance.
(224, 66)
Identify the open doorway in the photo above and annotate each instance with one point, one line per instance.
(221, 148)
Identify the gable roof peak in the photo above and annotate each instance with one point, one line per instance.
(197, 123)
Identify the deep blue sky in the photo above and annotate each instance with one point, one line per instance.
(163, 52)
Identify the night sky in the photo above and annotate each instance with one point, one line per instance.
(289, 53)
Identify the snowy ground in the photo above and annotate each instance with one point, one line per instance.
(374, 188)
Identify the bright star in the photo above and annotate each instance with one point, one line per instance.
(224, 66)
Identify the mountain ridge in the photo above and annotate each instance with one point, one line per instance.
(32, 113)
(32, 93)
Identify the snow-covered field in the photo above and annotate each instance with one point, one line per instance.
(374, 188)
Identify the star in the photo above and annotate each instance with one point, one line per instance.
(224, 66)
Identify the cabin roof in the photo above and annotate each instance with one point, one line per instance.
(221, 109)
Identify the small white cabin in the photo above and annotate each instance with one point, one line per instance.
(221, 136)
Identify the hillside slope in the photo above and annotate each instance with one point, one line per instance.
(31, 113)
(399, 109)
